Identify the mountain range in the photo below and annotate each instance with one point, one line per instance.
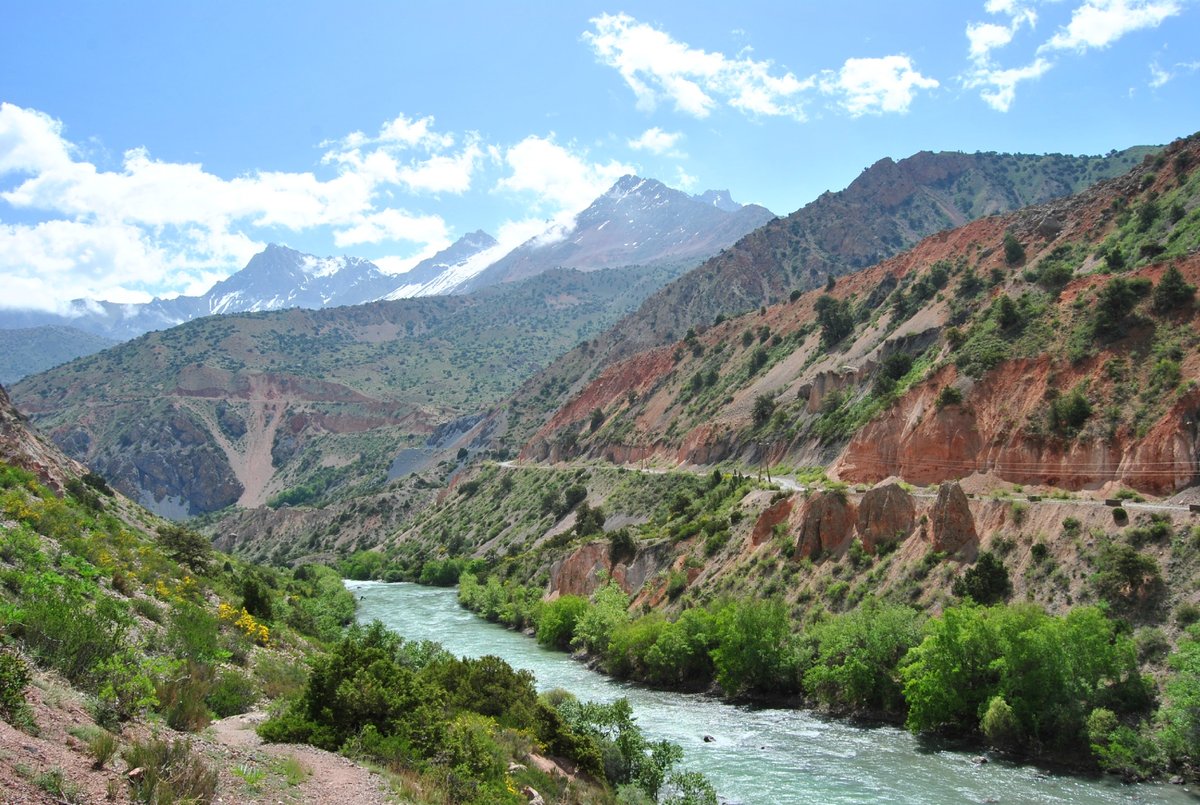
(636, 222)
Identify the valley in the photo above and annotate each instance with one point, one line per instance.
(980, 445)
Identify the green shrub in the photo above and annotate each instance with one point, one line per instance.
(1051, 672)
(14, 679)
(1172, 292)
(182, 694)
(171, 772)
(986, 582)
(949, 395)
(556, 628)
(1014, 252)
(857, 654)
(756, 650)
(231, 694)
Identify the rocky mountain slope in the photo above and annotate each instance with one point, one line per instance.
(636, 222)
(244, 408)
(1055, 345)
(888, 208)
(29, 350)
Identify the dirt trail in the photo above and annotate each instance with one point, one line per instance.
(330, 779)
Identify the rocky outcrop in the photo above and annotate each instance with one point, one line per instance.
(885, 514)
(21, 447)
(951, 524)
(826, 523)
(582, 572)
(772, 516)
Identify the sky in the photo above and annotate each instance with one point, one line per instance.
(150, 149)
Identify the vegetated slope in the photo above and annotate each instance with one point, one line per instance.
(1054, 345)
(239, 408)
(635, 222)
(888, 208)
(111, 616)
(29, 350)
(125, 637)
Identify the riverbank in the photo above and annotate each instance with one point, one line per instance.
(759, 755)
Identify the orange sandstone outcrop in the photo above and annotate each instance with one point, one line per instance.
(826, 522)
(952, 526)
(886, 514)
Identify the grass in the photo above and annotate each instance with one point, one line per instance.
(292, 770)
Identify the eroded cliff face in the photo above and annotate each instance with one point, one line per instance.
(21, 447)
(763, 389)
(586, 569)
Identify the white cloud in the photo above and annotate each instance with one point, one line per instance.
(656, 66)
(558, 178)
(1099, 23)
(685, 181)
(876, 86)
(30, 141)
(443, 174)
(657, 141)
(999, 86)
(1160, 76)
(396, 225)
(156, 227)
(1093, 24)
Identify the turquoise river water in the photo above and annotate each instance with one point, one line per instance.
(759, 755)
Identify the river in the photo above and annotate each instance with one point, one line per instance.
(760, 756)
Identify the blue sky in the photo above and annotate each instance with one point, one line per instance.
(151, 148)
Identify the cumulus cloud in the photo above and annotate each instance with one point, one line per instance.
(876, 86)
(656, 67)
(155, 227)
(657, 141)
(1099, 23)
(1093, 24)
(557, 178)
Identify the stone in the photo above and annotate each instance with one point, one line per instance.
(952, 526)
(886, 514)
(826, 523)
(530, 793)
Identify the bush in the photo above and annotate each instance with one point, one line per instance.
(986, 582)
(1014, 252)
(14, 679)
(233, 693)
(1051, 672)
(171, 772)
(857, 655)
(1172, 292)
(949, 395)
(755, 649)
(556, 628)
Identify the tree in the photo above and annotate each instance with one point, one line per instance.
(857, 656)
(1114, 303)
(764, 406)
(185, 546)
(1172, 292)
(986, 582)
(835, 318)
(597, 419)
(1014, 252)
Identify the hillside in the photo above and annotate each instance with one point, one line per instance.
(853, 377)
(242, 408)
(888, 208)
(29, 350)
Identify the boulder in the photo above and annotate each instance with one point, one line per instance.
(826, 524)
(886, 514)
(952, 526)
